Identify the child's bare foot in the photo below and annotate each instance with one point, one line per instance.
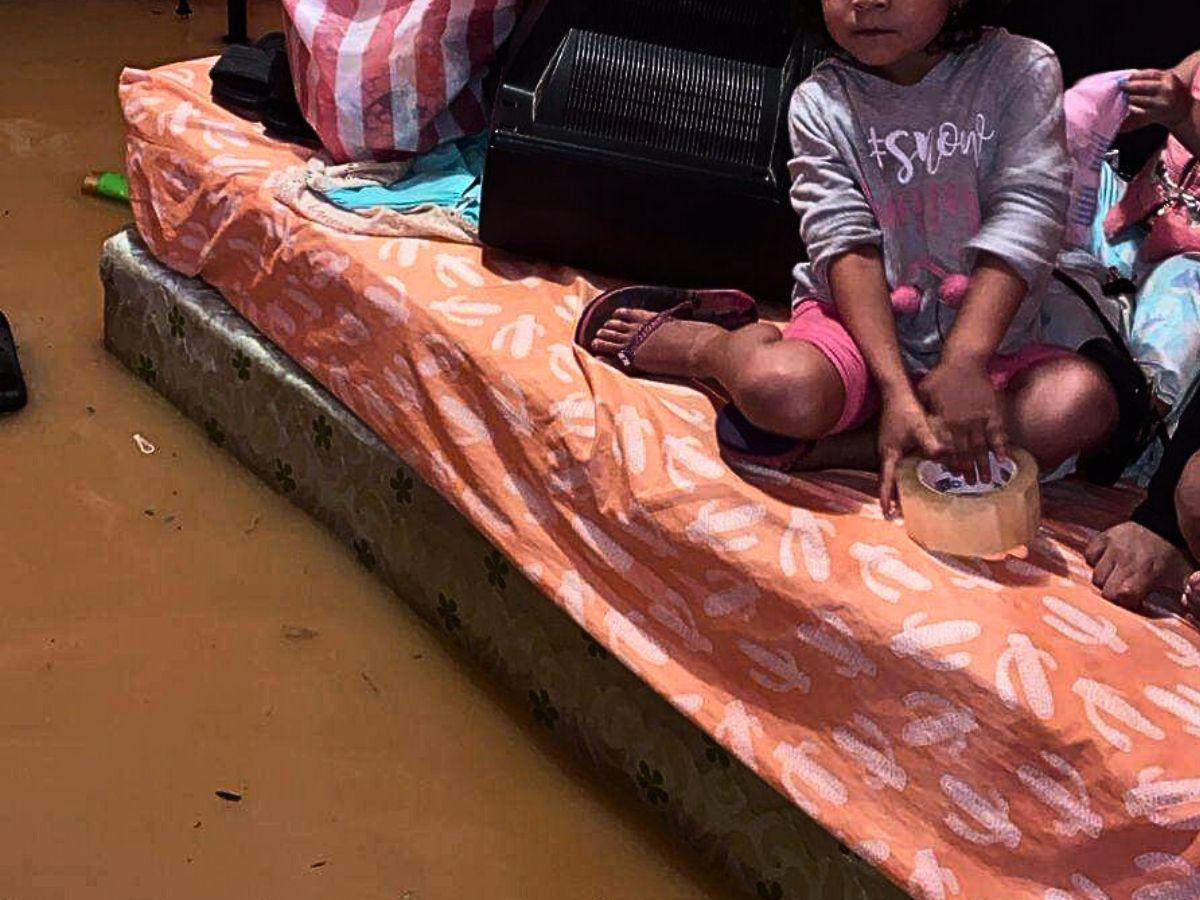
(1129, 561)
(675, 348)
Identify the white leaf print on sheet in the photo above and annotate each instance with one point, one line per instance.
(1088, 890)
(1172, 804)
(639, 525)
(383, 410)
(455, 272)
(490, 520)
(404, 250)
(468, 428)
(351, 330)
(569, 308)
(312, 309)
(834, 638)
(577, 414)
(399, 376)
(810, 531)
(986, 820)
(1101, 702)
(219, 135)
(466, 312)
(540, 511)
(1183, 703)
(443, 359)
(629, 438)
(1181, 651)
(1030, 664)
(686, 454)
(630, 643)
(697, 417)
(1185, 887)
(227, 164)
(277, 321)
(919, 641)
(175, 120)
(563, 364)
(688, 703)
(739, 597)
(872, 749)
(874, 851)
(510, 401)
(803, 777)
(185, 77)
(967, 574)
(781, 675)
(671, 611)
(1080, 626)
(574, 593)
(729, 529)
(519, 335)
(601, 543)
(737, 730)
(880, 561)
(930, 880)
(1070, 801)
(947, 725)
(141, 108)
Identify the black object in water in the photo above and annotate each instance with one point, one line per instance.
(13, 394)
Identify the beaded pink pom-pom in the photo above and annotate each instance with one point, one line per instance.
(954, 290)
(906, 300)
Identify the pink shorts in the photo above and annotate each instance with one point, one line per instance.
(818, 324)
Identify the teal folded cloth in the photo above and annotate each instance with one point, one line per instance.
(449, 176)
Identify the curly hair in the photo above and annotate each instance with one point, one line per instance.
(963, 27)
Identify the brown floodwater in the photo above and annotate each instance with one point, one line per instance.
(143, 663)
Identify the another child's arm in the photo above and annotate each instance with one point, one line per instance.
(1023, 208)
(1165, 98)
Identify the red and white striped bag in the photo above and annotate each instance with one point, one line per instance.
(383, 79)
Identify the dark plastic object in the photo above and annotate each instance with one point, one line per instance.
(646, 139)
(13, 395)
(255, 83)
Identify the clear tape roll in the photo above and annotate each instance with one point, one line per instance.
(945, 516)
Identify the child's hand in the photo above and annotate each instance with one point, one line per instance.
(1157, 97)
(967, 416)
(904, 427)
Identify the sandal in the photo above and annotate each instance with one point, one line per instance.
(742, 442)
(728, 309)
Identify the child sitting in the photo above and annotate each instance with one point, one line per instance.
(1160, 545)
(931, 179)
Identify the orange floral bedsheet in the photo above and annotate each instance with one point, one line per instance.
(977, 730)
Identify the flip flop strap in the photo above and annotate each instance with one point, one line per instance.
(627, 354)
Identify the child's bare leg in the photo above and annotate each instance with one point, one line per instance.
(1060, 408)
(786, 387)
(858, 449)
(1187, 504)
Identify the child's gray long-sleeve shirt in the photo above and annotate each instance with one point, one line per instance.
(972, 158)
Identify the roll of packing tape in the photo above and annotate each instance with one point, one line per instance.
(944, 514)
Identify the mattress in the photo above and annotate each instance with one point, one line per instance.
(184, 340)
(973, 728)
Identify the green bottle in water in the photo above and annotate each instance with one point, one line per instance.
(107, 184)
